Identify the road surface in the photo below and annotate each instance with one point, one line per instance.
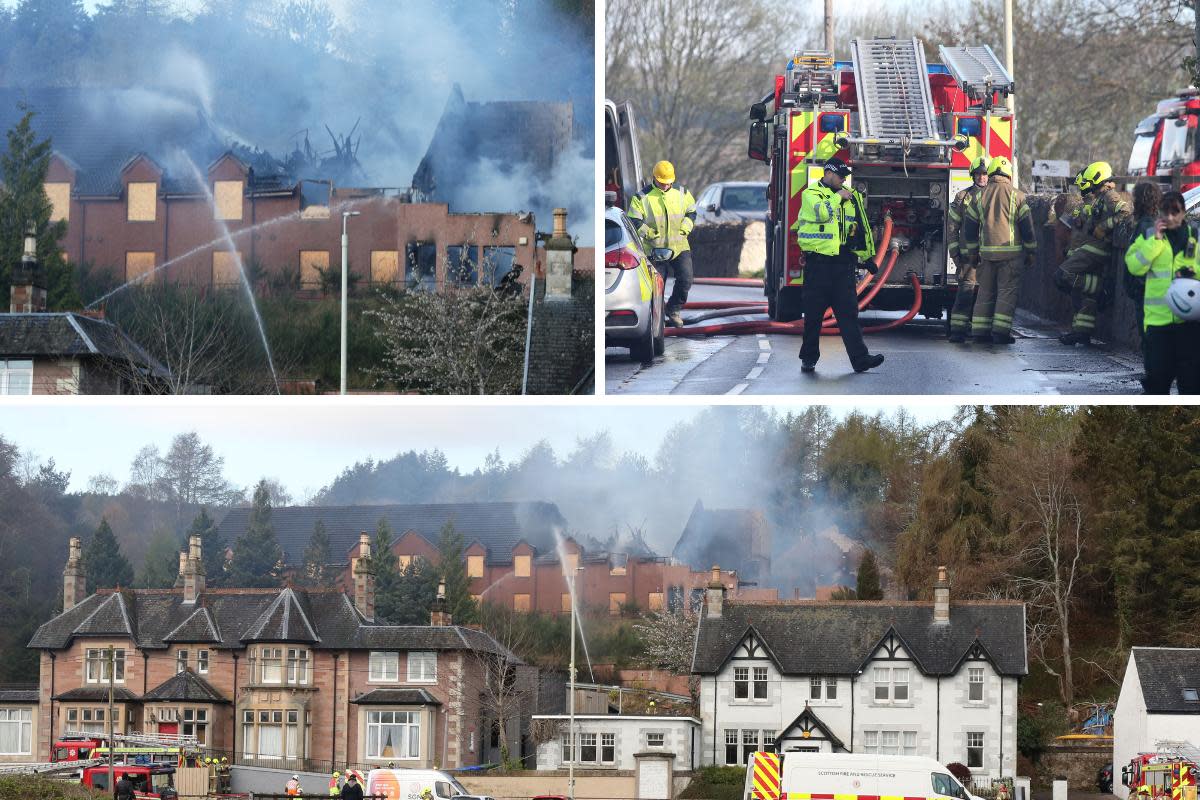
(919, 361)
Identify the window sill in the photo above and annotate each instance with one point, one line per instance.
(302, 687)
(382, 681)
(421, 683)
(902, 704)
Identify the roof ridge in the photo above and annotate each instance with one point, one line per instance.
(264, 617)
(87, 340)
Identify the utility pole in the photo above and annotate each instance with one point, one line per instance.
(571, 724)
(1008, 64)
(829, 26)
(346, 215)
(112, 669)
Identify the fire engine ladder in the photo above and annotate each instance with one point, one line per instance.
(1185, 751)
(48, 767)
(977, 71)
(140, 739)
(894, 102)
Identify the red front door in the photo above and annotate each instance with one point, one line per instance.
(169, 728)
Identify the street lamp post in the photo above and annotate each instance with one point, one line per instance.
(571, 703)
(346, 215)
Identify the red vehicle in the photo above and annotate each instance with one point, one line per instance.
(75, 748)
(1164, 144)
(1160, 776)
(149, 781)
(910, 131)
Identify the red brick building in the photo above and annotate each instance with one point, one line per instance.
(276, 677)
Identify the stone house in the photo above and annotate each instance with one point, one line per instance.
(1159, 701)
(18, 723)
(610, 741)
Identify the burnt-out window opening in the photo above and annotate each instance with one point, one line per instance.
(420, 266)
(497, 263)
(462, 269)
(675, 599)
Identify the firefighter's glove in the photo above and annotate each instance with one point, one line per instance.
(1063, 281)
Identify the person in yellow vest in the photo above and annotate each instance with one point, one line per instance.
(835, 235)
(964, 298)
(1163, 250)
(335, 784)
(999, 236)
(663, 214)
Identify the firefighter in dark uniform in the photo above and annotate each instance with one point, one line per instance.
(964, 298)
(835, 235)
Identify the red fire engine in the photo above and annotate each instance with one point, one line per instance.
(149, 781)
(1169, 774)
(910, 131)
(1164, 143)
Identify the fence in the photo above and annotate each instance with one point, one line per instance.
(989, 788)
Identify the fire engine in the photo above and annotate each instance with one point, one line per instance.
(909, 129)
(150, 781)
(1169, 773)
(1164, 143)
(146, 747)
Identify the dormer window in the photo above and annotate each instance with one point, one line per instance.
(142, 202)
(474, 566)
(227, 197)
(521, 566)
(1191, 695)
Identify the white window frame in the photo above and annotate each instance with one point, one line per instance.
(890, 684)
(383, 667)
(741, 683)
(908, 742)
(201, 662)
(18, 721)
(21, 366)
(270, 658)
(607, 740)
(652, 735)
(814, 689)
(298, 667)
(97, 665)
(831, 689)
(567, 750)
(889, 742)
(733, 739)
(882, 677)
(587, 739)
(759, 678)
(898, 685)
(181, 660)
(871, 741)
(975, 677)
(750, 737)
(426, 663)
(979, 747)
(194, 722)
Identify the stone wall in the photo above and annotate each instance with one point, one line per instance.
(1078, 765)
(717, 249)
(562, 351)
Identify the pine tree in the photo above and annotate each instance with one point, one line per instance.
(868, 587)
(212, 548)
(161, 566)
(453, 563)
(23, 200)
(416, 590)
(104, 562)
(388, 602)
(316, 557)
(257, 557)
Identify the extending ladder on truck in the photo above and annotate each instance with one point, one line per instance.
(977, 71)
(1184, 751)
(891, 79)
(49, 767)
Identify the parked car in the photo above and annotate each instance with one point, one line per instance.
(1104, 779)
(633, 292)
(732, 202)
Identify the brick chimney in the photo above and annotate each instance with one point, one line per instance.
(364, 579)
(716, 594)
(74, 579)
(438, 613)
(193, 572)
(941, 597)
(28, 291)
(560, 259)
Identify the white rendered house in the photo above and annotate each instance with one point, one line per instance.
(1159, 701)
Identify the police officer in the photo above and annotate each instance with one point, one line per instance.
(352, 790)
(1083, 271)
(663, 214)
(124, 787)
(964, 299)
(835, 235)
(998, 233)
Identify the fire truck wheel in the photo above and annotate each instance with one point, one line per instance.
(788, 306)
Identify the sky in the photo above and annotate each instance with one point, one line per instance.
(305, 442)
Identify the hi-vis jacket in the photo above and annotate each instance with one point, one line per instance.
(827, 223)
(1159, 260)
(954, 231)
(1105, 210)
(997, 225)
(664, 219)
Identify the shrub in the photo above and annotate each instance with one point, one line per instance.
(960, 771)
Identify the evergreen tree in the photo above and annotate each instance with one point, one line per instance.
(388, 601)
(212, 547)
(161, 565)
(417, 589)
(316, 557)
(23, 200)
(257, 557)
(868, 587)
(453, 563)
(105, 564)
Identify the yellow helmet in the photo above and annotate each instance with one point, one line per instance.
(664, 172)
(979, 163)
(1001, 165)
(336, 774)
(1096, 174)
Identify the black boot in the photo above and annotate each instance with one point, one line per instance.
(1003, 338)
(957, 337)
(869, 362)
(1075, 337)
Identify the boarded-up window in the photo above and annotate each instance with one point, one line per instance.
(615, 601)
(566, 603)
(60, 201)
(385, 266)
(228, 197)
(474, 566)
(312, 264)
(403, 561)
(520, 602)
(225, 268)
(143, 202)
(521, 566)
(138, 263)
(656, 601)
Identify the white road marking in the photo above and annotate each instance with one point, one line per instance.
(754, 373)
(741, 387)
(764, 343)
(764, 358)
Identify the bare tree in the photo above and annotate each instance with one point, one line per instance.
(508, 686)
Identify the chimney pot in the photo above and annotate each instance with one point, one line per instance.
(560, 256)
(439, 615)
(27, 290)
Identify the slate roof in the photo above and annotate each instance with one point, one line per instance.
(70, 334)
(185, 686)
(497, 526)
(16, 695)
(97, 694)
(393, 697)
(1164, 673)
(234, 618)
(817, 638)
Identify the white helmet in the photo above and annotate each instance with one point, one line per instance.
(1184, 298)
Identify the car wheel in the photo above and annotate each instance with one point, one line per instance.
(660, 337)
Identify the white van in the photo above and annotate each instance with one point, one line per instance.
(821, 776)
(412, 784)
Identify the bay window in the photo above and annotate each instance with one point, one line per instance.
(393, 735)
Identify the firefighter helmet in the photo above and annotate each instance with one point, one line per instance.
(1096, 174)
(1183, 297)
(1000, 165)
(980, 164)
(664, 172)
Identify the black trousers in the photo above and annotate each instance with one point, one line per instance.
(829, 283)
(1172, 355)
(681, 265)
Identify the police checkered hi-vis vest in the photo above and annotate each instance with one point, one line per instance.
(828, 221)
(1159, 260)
(664, 219)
